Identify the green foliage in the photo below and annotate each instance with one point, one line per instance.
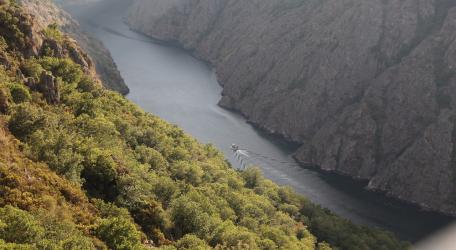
(150, 156)
(63, 68)
(19, 227)
(147, 180)
(25, 120)
(20, 93)
(189, 217)
(119, 234)
(191, 242)
(13, 26)
(22, 230)
(252, 177)
(32, 68)
(53, 32)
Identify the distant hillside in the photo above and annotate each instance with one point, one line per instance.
(81, 167)
(366, 87)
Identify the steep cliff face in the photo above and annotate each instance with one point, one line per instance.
(367, 87)
(82, 167)
(46, 13)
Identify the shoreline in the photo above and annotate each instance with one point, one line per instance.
(355, 186)
(347, 184)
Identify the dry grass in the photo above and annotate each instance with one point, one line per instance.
(3, 137)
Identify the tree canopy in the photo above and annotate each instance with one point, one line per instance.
(95, 171)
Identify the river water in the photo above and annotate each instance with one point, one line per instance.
(170, 83)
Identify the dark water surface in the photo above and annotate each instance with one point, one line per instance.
(172, 84)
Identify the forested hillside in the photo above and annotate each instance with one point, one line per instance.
(47, 12)
(81, 167)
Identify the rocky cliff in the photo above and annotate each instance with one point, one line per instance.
(367, 87)
(46, 13)
(82, 167)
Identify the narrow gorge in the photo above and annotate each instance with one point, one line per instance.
(83, 167)
(363, 86)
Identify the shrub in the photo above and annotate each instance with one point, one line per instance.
(189, 218)
(18, 226)
(119, 234)
(20, 93)
(53, 32)
(31, 68)
(70, 72)
(191, 242)
(25, 120)
(152, 157)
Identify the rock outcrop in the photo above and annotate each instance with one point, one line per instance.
(3, 102)
(46, 12)
(49, 87)
(367, 87)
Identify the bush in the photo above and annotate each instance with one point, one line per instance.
(100, 175)
(119, 234)
(25, 120)
(60, 149)
(150, 156)
(70, 72)
(53, 32)
(20, 93)
(31, 68)
(189, 218)
(252, 177)
(18, 226)
(191, 242)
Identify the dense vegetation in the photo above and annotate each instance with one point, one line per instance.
(92, 170)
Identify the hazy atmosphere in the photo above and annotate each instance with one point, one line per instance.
(229, 124)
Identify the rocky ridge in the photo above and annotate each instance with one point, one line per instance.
(46, 13)
(365, 86)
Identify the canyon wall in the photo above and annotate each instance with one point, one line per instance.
(46, 12)
(367, 87)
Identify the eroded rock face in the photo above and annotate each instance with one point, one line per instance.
(3, 102)
(46, 12)
(367, 87)
(49, 87)
(54, 47)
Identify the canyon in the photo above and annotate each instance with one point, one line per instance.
(363, 86)
(83, 167)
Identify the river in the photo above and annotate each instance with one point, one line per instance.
(170, 83)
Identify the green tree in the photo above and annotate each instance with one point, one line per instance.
(20, 93)
(189, 218)
(119, 234)
(25, 120)
(191, 242)
(18, 226)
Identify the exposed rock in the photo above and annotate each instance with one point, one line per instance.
(46, 13)
(79, 57)
(367, 87)
(69, 49)
(31, 83)
(4, 61)
(49, 87)
(52, 46)
(3, 102)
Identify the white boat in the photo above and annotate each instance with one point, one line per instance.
(234, 147)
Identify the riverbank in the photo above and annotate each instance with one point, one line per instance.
(173, 85)
(341, 181)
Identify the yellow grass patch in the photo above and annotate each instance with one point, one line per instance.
(3, 136)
